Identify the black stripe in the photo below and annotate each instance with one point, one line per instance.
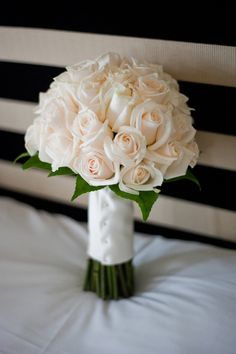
(193, 25)
(217, 188)
(217, 184)
(80, 214)
(25, 81)
(214, 105)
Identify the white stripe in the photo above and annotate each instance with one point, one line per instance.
(196, 62)
(217, 150)
(16, 115)
(167, 211)
(36, 182)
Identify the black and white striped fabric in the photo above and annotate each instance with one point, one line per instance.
(33, 52)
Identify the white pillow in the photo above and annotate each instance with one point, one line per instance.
(185, 301)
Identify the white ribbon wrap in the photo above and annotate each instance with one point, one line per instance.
(110, 227)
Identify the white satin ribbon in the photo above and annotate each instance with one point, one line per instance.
(110, 227)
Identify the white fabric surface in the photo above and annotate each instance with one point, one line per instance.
(185, 301)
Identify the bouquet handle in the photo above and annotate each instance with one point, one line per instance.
(110, 247)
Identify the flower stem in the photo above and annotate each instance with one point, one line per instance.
(96, 268)
(114, 282)
(109, 282)
(124, 285)
(103, 282)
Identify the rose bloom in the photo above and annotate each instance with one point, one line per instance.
(86, 80)
(109, 61)
(179, 102)
(32, 136)
(61, 149)
(89, 88)
(183, 129)
(127, 148)
(54, 147)
(89, 130)
(151, 86)
(58, 90)
(120, 107)
(143, 177)
(77, 72)
(57, 104)
(185, 157)
(96, 168)
(50, 133)
(143, 69)
(153, 121)
(173, 158)
(86, 123)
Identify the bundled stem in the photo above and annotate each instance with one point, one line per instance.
(110, 282)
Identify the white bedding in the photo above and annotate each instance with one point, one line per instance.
(185, 302)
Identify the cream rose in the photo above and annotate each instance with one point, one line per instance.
(79, 84)
(86, 124)
(151, 86)
(56, 147)
(50, 133)
(96, 168)
(59, 96)
(32, 136)
(179, 167)
(143, 69)
(77, 72)
(179, 102)
(183, 129)
(153, 121)
(170, 81)
(56, 111)
(90, 131)
(119, 109)
(61, 149)
(65, 91)
(164, 156)
(127, 148)
(173, 158)
(143, 177)
(36, 139)
(110, 61)
(89, 88)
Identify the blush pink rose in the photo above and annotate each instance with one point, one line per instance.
(143, 177)
(96, 168)
(127, 148)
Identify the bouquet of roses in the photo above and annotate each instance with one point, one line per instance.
(120, 127)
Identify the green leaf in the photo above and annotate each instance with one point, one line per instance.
(82, 187)
(21, 156)
(34, 162)
(189, 176)
(145, 199)
(62, 171)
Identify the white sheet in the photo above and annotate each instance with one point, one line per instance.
(185, 302)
